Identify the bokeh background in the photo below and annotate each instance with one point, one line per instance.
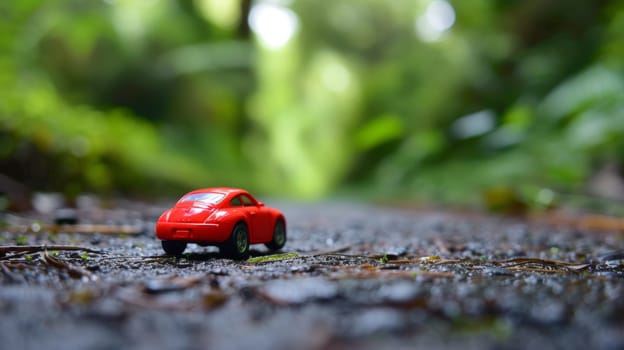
(447, 101)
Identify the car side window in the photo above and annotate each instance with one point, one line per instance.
(247, 201)
(236, 201)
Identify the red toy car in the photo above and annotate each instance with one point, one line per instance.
(229, 218)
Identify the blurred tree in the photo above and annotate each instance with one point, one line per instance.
(161, 61)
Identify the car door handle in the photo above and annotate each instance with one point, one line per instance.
(252, 213)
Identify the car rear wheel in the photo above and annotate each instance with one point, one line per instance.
(279, 236)
(174, 247)
(237, 247)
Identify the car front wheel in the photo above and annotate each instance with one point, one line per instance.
(237, 247)
(279, 236)
(174, 247)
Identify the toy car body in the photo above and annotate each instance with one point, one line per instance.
(229, 218)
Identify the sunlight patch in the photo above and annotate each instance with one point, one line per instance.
(437, 19)
(274, 24)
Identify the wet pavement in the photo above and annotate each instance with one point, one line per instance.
(350, 277)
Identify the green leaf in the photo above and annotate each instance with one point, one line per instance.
(378, 131)
(273, 257)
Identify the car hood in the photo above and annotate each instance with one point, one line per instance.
(190, 213)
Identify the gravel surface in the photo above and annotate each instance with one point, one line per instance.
(362, 277)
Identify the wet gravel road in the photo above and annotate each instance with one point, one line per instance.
(355, 277)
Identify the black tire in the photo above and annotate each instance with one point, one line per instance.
(237, 247)
(175, 248)
(279, 236)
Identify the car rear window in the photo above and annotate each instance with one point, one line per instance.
(208, 198)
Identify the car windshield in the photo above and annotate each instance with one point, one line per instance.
(207, 198)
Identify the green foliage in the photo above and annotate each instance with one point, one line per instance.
(159, 96)
(88, 145)
(64, 126)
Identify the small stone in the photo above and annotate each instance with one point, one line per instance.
(66, 216)
(298, 291)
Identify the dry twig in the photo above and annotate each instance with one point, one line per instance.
(73, 270)
(80, 228)
(40, 248)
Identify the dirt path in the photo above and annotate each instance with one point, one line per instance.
(351, 277)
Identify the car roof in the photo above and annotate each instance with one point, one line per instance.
(224, 190)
